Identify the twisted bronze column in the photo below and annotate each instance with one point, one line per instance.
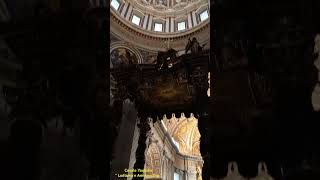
(144, 127)
(200, 83)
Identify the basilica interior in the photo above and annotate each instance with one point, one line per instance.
(159, 64)
(251, 87)
(159, 90)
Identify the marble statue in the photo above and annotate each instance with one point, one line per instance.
(194, 46)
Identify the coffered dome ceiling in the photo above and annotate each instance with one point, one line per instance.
(154, 24)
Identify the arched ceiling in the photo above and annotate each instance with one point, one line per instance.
(185, 132)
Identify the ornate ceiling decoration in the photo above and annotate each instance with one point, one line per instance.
(145, 41)
(134, 21)
(167, 6)
(185, 132)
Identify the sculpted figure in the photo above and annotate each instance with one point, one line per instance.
(194, 46)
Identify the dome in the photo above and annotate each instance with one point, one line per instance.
(153, 24)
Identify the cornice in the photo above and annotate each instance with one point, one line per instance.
(155, 41)
(158, 35)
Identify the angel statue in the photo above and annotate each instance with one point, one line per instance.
(194, 46)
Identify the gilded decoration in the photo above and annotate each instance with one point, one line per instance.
(166, 5)
(185, 132)
(153, 161)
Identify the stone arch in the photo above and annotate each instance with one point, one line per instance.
(118, 45)
(185, 132)
(176, 127)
